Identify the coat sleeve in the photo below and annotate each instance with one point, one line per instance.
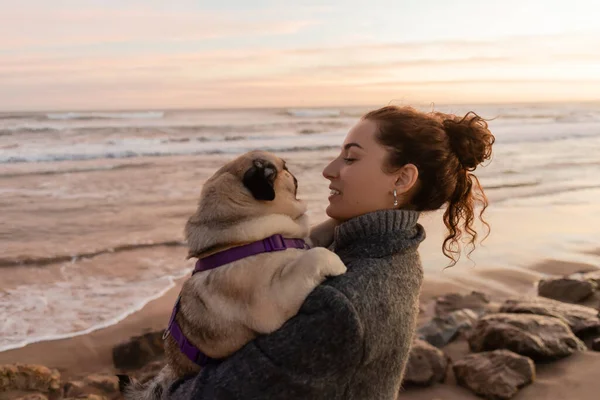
(313, 355)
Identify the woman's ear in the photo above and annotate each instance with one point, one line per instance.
(406, 178)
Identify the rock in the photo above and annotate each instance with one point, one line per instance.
(570, 290)
(442, 330)
(34, 396)
(496, 374)
(593, 276)
(582, 320)
(149, 371)
(87, 397)
(476, 301)
(104, 385)
(539, 337)
(28, 377)
(138, 351)
(596, 344)
(426, 365)
(74, 388)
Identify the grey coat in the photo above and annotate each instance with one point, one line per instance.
(351, 338)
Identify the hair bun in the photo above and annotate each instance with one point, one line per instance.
(470, 139)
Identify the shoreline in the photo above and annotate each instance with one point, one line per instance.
(81, 355)
(104, 325)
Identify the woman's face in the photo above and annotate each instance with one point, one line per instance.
(359, 184)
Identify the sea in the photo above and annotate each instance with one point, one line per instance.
(93, 204)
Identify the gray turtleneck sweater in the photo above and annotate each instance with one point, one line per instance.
(352, 336)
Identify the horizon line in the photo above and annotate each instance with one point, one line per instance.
(303, 107)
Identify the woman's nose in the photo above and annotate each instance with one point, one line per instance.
(329, 172)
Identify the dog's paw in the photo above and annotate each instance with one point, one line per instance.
(328, 263)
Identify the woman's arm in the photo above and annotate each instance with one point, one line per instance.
(311, 357)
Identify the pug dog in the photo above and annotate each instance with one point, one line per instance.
(249, 199)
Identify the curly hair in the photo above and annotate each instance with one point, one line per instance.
(446, 149)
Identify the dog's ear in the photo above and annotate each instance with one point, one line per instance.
(260, 178)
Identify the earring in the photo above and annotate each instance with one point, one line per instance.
(395, 198)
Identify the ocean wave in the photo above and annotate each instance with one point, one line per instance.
(134, 154)
(208, 139)
(97, 156)
(512, 185)
(156, 147)
(544, 132)
(77, 170)
(313, 113)
(105, 115)
(517, 198)
(157, 153)
(175, 128)
(13, 116)
(554, 115)
(42, 261)
(308, 131)
(59, 305)
(579, 117)
(27, 129)
(528, 116)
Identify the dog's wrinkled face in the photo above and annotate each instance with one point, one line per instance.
(256, 183)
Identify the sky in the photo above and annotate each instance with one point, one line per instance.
(151, 54)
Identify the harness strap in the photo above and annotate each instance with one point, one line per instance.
(270, 244)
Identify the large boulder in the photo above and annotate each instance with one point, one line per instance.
(426, 365)
(138, 351)
(568, 289)
(494, 375)
(102, 385)
(442, 330)
(582, 320)
(539, 337)
(28, 377)
(476, 301)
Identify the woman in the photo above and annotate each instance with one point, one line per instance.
(351, 338)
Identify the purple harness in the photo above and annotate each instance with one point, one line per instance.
(272, 243)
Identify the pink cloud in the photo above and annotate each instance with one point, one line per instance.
(317, 76)
(80, 27)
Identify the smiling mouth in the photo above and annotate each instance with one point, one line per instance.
(334, 192)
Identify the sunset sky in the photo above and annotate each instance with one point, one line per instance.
(130, 54)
